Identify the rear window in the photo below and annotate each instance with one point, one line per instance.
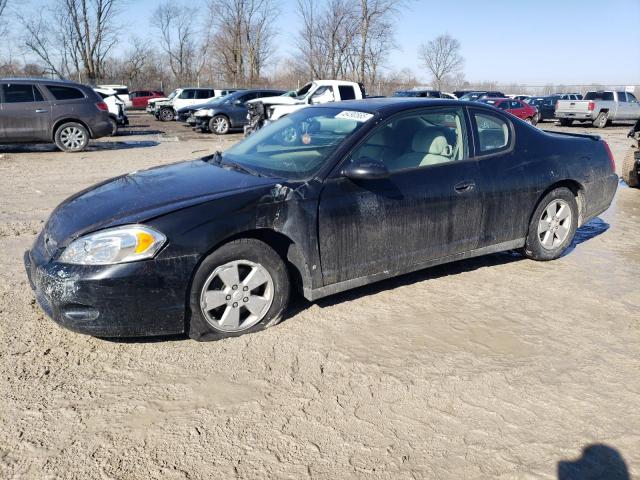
(599, 96)
(65, 93)
(346, 92)
(21, 93)
(492, 133)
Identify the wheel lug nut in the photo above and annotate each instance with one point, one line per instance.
(245, 299)
(244, 289)
(228, 297)
(235, 305)
(235, 287)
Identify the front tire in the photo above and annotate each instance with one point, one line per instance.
(71, 137)
(219, 125)
(242, 287)
(553, 225)
(629, 169)
(166, 114)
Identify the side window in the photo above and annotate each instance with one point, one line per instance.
(622, 96)
(492, 132)
(65, 93)
(346, 92)
(247, 96)
(504, 105)
(418, 139)
(201, 94)
(37, 95)
(322, 95)
(607, 96)
(20, 93)
(187, 95)
(515, 104)
(631, 97)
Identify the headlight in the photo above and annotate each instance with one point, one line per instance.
(204, 113)
(114, 245)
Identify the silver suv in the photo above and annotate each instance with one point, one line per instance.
(37, 110)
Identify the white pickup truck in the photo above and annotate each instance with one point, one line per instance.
(268, 109)
(600, 108)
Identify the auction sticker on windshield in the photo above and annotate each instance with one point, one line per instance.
(355, 115)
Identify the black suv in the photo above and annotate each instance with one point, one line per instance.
(37, 110)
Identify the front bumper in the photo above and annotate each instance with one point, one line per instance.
(133, 299)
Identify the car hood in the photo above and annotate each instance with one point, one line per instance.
(158, 99)
(143, 195)
(279, 100)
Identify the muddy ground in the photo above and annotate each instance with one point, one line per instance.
(497, 367)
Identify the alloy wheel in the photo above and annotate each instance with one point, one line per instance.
(237, 295)
(555, 224)
(72, 138)
(220, 125)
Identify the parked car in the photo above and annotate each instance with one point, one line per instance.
(121, 90)
(151, 103)
(479, 95)
(265, 110)
(37, 110)
(166, 110)
(518, 108)
(520, 97)
(631, 163)
(117, 111)
(460, 93)
(418, 93)
(140, 98)
(546, 107)
(230, 112)
(599, 108)
(368, 190)
(568, 96)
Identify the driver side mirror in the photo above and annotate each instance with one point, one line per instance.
(366, 169)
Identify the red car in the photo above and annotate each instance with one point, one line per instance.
(520, 109)
(140, 98)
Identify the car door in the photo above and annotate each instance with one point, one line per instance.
(501, 179)
(25, 114)
(624, 110)
(634, 106)
(238, 108)
(186, 97)
(428, 208)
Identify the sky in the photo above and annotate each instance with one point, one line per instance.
(508, 41)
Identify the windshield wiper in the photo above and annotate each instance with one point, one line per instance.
(241, 168)
(218, 160)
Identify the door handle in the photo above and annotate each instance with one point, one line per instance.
(464, 186)
(41, 110)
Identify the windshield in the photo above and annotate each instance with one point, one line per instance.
(471, 96)
(172, 94)
(290, 93)
(296, 146)
(302, 93)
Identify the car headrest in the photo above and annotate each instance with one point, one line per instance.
(431, 140)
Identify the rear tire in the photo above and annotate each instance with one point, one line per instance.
(553, 225)
(629, 169)
(114, 126)
(71, 137)
(254, 273)
(601, 120)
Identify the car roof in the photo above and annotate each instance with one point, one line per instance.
(498, 99)
(41, 80)
(391, 105)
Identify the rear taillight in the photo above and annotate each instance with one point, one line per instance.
(592, 106)
(102, 106)
(611, 159)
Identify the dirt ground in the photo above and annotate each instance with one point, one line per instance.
(497, 367)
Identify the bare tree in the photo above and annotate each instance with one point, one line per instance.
(441, 56)
(73, 35)
(244, 38)
(3, 7)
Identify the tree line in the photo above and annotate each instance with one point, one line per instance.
(224, 43)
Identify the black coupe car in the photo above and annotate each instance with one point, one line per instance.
(326, 199)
